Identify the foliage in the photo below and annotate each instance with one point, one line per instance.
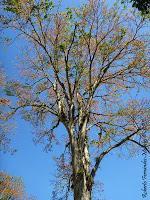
(81, 69)
(5, 127)
(10, 187)
(141, 5)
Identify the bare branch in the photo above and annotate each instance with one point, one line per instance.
(100, 157)
(141, 145)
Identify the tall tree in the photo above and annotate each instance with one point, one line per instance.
(82, 68)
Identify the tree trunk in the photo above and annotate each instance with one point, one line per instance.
(81, 190)
(82, 181)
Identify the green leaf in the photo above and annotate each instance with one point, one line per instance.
(62, 47)
(69, 13)
(9, 92)
(11, 6)
(123, 32)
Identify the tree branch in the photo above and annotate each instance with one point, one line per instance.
(141, 145)
(100, 157)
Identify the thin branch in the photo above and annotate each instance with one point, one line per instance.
(141, 145)
(100, 157)
(32, 105)
(66, 61)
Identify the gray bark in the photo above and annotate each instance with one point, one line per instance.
(81, 178)
(81, 191)
(82, 183)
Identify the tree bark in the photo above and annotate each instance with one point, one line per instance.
(81, 191)
(82, 181)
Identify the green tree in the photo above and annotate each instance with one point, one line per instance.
(81, 69)
(142, 5)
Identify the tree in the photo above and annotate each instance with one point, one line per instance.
(142, 5)
(82, 68)
(12, 188)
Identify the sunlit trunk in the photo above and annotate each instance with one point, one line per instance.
(81, 190)
(82, 182)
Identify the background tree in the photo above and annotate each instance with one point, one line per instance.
(12, 188)
(82, 68)
(141, 5)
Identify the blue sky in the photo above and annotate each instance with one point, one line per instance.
(122, 177)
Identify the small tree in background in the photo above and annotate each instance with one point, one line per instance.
(142, 5)
(12, 188)
(82, 69)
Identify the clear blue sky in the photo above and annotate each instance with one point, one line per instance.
(122, 177)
